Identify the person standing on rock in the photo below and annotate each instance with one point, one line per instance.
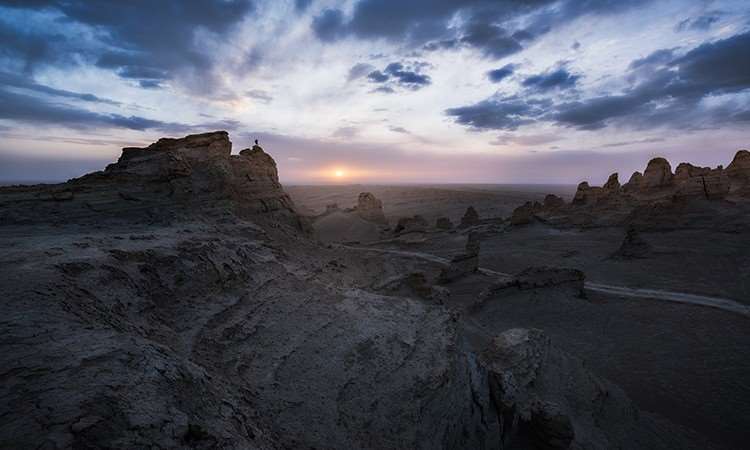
(257, 146)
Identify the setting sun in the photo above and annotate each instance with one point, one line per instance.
(339, 173)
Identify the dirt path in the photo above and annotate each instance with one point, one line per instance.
(622, 291)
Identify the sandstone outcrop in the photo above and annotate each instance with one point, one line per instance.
(470, 218)
(415, 224)
(525, 213)
(169, 180)
(464, 264)
(612, 184)
(633, 246)
(552, 202)
(370, 208)
(547, 399)
(653, 194)
(658, 174)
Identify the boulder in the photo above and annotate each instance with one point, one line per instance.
(470, 218)
(370, 208)
(658, 174)
(331, 208)
(443, 223)
(411, 224)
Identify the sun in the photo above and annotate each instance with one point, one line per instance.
(339, 173)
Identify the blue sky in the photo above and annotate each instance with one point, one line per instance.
(382, 90)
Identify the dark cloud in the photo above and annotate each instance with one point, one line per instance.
(146, 40)
(302, 5)
(702, 22)
(657, 58)
(492, 40)
(398, 74)
(329, 25)
(25, 83)
(502, 73)
(489, 26)
(556, 79)
(407, 77)
(504, 113)
(359, 70)
(670, 96)
(377, 76)
(34, 110)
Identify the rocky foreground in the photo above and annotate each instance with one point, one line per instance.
(177, 300)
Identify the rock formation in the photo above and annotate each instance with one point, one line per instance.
(443, 223)
(658, 174)
(470, 218)
(172, 301)
(525, 213)
(416, 224)
(652, 192)
(547, 399)
(552, 202)
(633, 246)
(370, 208)
(166, 181)
(465, 263)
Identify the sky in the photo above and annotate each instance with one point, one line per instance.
(379, 91)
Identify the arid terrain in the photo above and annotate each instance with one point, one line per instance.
(183, 298)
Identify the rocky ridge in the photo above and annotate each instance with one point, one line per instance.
(690, 196)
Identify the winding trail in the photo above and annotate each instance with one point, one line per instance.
(621, 291)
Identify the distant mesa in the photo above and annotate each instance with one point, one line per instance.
(656, 195)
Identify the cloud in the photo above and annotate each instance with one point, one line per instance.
(671, 95)
(329, 25)
(701, 23)
(260, 95)
(302, 5)
(151, 41)
(398, 74)
(401, 130)
(34, 110)
(346, 132)
(492, 27)
(377, 76)
(25, 83)
(503, 113)
(556, 79)
(502, 73)
(359, 70)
